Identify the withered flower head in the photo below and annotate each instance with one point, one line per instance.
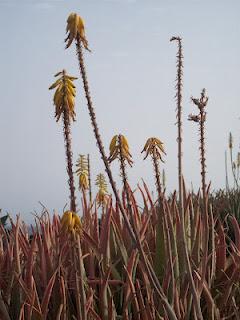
(194, 118)
(176, 38)
(119, 144)
(75, 28)
(202, 102)
(152, 147)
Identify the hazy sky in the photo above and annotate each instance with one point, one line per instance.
(131, 72)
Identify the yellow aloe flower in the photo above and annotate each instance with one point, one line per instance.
(82, 172)
(71, 222)
(64, 97)
(119, 142)
(75, 28)
(102, 194)
(152, 147)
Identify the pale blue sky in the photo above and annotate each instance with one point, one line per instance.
(131, 72)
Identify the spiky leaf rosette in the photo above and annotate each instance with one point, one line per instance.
(154, 146)
(102, 189)
(64, 97)
(82, 172)
(75, 29)
(71, 223)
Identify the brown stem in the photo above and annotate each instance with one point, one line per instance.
(203, 159)
(89, 180)
(157, 175)
(202, 114)
(67, 138)
(124, 175)
(183, 246)
(134, 235)
(179, 86)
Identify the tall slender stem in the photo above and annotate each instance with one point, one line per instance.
(134, 235)
(67, 138)
(124, 175)
(183, 244)
(89, 180)
(203, 158)
(179, 85)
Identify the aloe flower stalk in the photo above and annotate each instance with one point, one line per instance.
(179, 85)
(154, 147)
(119, 149)
(183, 245)
(102, 189)
(200, 118)
(64, 101)
(76, 31)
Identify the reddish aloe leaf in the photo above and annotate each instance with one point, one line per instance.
(120, 240)
(144, 199)
(58, 317)
(47, 295)
(221, 248)
(105, 232)
(236, 229)
(234, 279)
(143, 312)
(129, 270)
(3, 310)
(94, 314)
(131, 286)
(144, 228)
(212, 309)
(103, 296)
(92, 242)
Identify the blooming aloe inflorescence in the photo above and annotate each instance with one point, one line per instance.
(82, 172)
(64, 101)
(64, 97)
(102, 189)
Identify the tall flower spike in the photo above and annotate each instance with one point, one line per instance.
(115, 149)
(64, 103)
(64, 97)
(154, 145)
(82, 172)
(75, 29)
(102, 189)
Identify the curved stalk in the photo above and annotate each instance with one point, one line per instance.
(131, 229)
